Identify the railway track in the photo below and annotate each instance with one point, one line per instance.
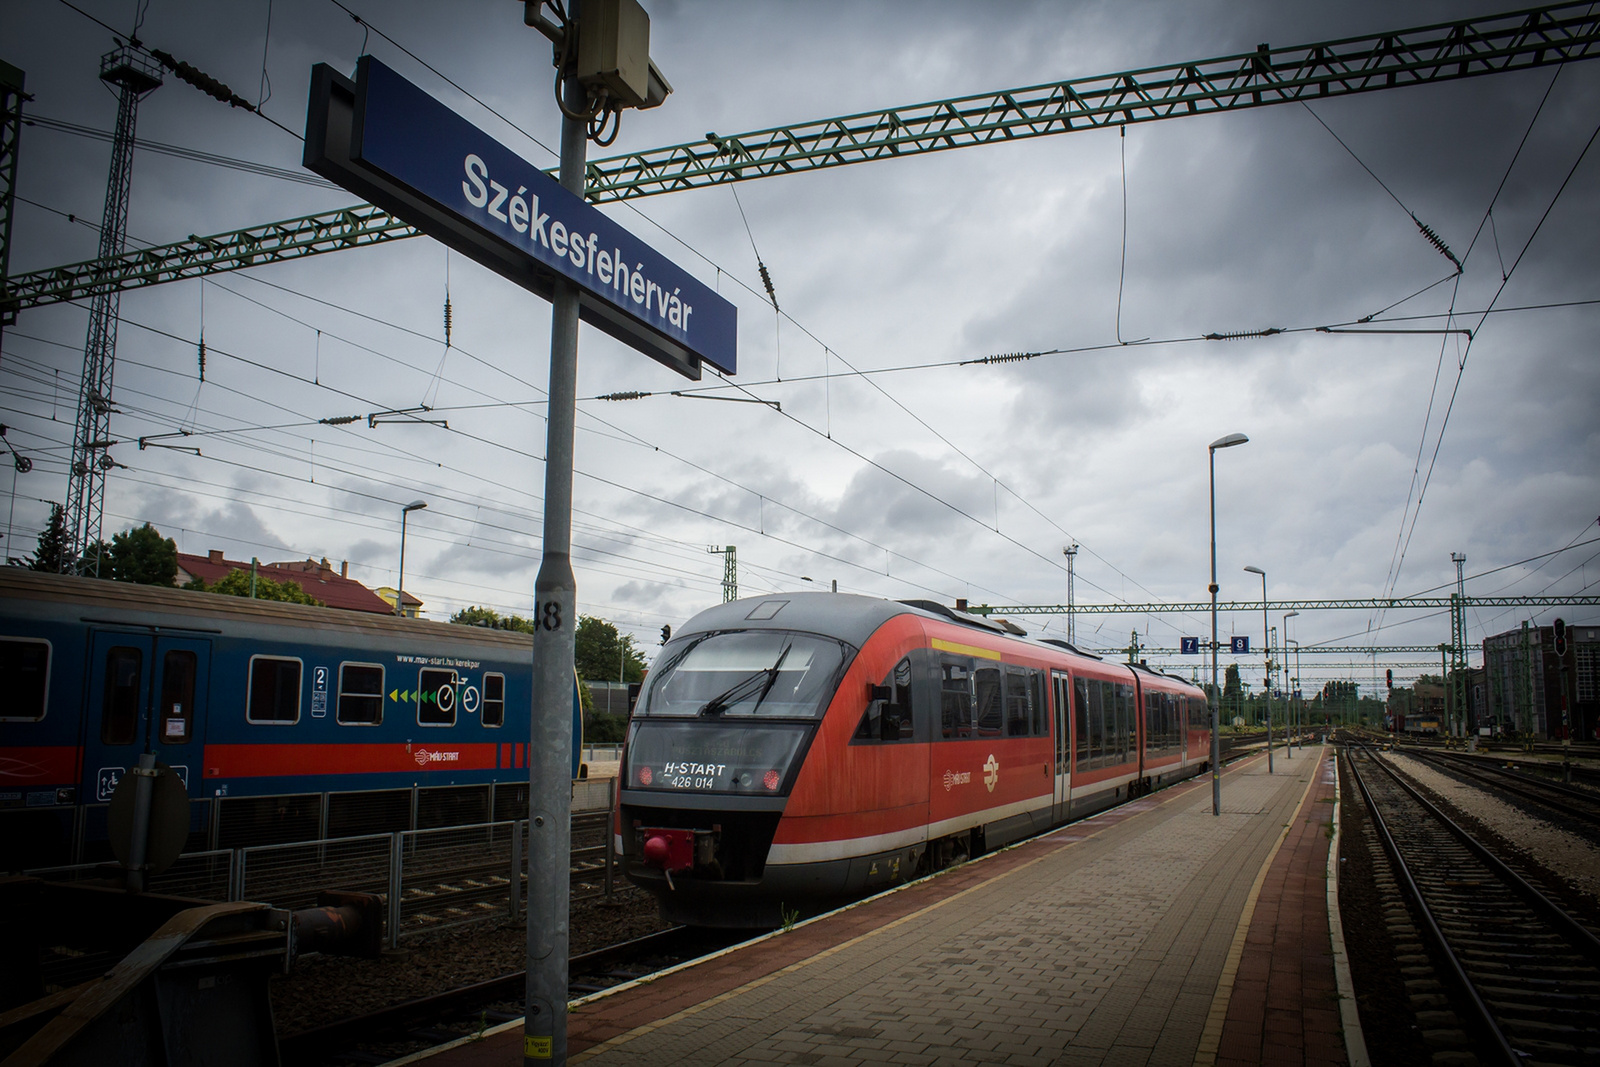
(1526, 974)
(428, 1021)
(1580, 804)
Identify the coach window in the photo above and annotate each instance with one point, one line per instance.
(494, 700)
(1127, 722)
(1019, 709)
(436, 698)
(176, 714)
(888, 714)
(274, 690)
(1041, 712)
(119, 718)
(988, 714)
(955, 698)
(24, 678)
(360, 694)
(1080, 728)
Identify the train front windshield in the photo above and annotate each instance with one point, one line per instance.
(755, 673)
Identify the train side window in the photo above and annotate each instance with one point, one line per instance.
(24, 678)
(1019, 712)
(987, 706)
(436, 697)
(1097, 723)
(360, 694)
(1080, 711)
(955, 698)
(176, 715)
(888, 714)
(119, 714)
(1127, 710)
(494, 700)
(274, 691)
(1041, 712)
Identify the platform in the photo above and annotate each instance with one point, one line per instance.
(1156, 933)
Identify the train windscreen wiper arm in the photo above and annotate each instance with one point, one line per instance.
(767, 676)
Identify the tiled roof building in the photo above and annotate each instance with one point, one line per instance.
(336, 589)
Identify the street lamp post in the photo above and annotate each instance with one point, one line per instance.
(1294, 712)
(1216, 740)
(400, 593)
(1268, 639)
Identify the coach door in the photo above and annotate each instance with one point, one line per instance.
(146, 693)
(1061, 691)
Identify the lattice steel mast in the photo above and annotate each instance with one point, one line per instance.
(11, 100)
(1490, 45)
(135, 77)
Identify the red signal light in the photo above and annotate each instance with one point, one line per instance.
(645, 777)
(771, 780)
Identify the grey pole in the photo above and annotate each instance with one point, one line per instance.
(1290, 714)
(544, 1027)
(400, 591)
(1216, 697)
(1266, 637)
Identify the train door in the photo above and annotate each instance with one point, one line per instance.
(146, 693)
(1061, 686)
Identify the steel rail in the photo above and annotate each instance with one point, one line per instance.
(1457, 971)
(1521, 785)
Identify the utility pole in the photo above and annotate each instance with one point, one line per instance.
(1071, 552)
(135, 77)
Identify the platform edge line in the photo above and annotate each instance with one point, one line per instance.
(1211, 1035)
(1355, 1040)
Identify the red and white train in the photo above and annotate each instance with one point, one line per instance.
(797, 750)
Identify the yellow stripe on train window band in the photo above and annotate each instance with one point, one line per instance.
(965, 650)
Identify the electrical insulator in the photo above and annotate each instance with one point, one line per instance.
(447, 322)
(202, 359)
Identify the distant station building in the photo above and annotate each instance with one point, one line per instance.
(412, 608)
(1524, 680)
(336, 589)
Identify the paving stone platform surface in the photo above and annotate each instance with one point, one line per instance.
(1157, 933)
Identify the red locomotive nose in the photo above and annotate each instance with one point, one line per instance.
(657, 851)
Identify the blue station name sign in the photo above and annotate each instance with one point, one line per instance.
(385, 139)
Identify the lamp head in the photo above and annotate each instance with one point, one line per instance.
(1228, 441)
(1290, 614)
(415, 505)
(1256, 570)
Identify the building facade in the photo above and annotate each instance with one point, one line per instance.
(1526, 685)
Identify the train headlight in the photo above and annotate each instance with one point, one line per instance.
(645, 776)
(771, 780)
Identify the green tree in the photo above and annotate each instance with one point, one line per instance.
(476, 616)
(54, 552)
(1232, 695)
(143, 556)
(237, 583)
(599, 650)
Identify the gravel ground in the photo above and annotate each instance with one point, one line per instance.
(1573, 858)
(323, 989)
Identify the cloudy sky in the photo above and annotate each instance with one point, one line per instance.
(929, 479)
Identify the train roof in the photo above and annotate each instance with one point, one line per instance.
(133, 604)
(853, 619)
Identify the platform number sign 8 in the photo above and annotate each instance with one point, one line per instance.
(550, 615)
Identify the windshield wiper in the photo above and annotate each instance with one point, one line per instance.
(767, 676)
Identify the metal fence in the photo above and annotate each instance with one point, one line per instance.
(429, 879)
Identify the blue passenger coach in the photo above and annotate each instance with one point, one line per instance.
(288, 721)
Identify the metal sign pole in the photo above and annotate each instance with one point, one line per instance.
(555, 620)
